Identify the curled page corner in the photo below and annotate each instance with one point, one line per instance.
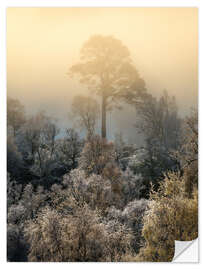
(186, 251)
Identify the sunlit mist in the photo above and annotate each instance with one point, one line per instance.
(42, 43)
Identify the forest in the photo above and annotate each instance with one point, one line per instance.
(74, 198)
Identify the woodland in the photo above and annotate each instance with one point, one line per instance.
(73, 198)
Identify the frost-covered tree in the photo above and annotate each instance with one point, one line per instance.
(132, 218)
(14, 191)
(38, 143)
(96, 154)
(173, 208)
(16, 245)
(123, 150)
(171, 216)
(79, 237)
(25, 206)
(96, 191)
(191, 138)
(14, 159)
(68, 149)
(133, 185)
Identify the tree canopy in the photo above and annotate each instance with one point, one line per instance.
(106, 67)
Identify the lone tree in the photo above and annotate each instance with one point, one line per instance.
(106, 67)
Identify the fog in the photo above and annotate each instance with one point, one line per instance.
(42, 43)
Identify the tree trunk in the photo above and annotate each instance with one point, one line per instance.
(103, 129)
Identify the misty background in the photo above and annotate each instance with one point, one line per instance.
(42, 44)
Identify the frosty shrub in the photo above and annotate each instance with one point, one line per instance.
(14, 191)
(132, 218)
(68, 149)
(71, 194)
(98, 157)
(189, 154)
(14, 159)
(44, 236)
(16, 244)
(18, 214)
(152, 163)
(123, 151)
(171, 216)
(13, 236)
(140, 165)
(39, 139)
(90, 236)
(95, 190)
(118, 241)
(191, 177)
(133, 185)
(113, 173)
(99, 192)
(96, 154)
(54, 237)
(33, 201)
(190, 137)
(136, 162)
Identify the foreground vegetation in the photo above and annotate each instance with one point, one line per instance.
(72, 199)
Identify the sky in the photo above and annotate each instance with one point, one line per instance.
(43, 43)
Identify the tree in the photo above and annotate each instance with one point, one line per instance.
(96, 155)
(171, 216)
(160, 124)
(189, 152)
(159, 120)
(39, 145)
(86, 111)
(15, 114)
(132, 217)
(106, 67)
(79, 189)
(123, 151)
(40, 132)
(14, 191)
(82, 237)
(173, 209)
(14, 158)
(68, 149)
(23, 205)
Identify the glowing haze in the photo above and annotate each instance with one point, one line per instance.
(42, 43)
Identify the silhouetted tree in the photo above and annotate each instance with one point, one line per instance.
(159, 120)
(86, 111)
(160, 124)
(106, 67)
(15, 114)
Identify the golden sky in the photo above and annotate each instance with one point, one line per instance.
(42, 43)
